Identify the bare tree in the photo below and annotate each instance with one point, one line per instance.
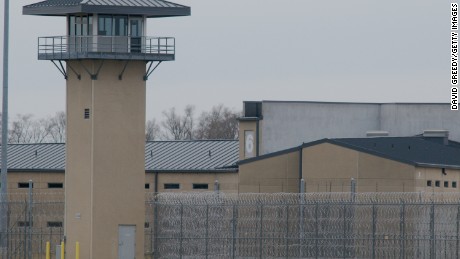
(20, 131)
(58, 127)
(152, 130)
(177, 127)
(219, 123)
(40, 131)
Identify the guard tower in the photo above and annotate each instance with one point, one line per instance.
(106, 59)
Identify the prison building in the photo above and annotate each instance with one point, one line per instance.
(270, 126)
(170, 166)
(425, 163)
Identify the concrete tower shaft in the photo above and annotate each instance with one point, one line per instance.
(105, 158)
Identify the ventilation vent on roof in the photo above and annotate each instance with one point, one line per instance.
(376, 133)
(442, 135)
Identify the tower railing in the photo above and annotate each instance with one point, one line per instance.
(106, 47)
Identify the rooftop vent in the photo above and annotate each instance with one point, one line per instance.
(442, 135)
(377, 133)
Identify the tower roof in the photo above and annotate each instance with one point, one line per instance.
(149, 8)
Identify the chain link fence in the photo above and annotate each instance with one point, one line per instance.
(312, 225)
(219, 225)
(31, 220)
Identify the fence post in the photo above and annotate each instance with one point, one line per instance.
(216, 187)
(373, 229)
(316, 229)
(181, 229)
(353, 189)
(155, 226)
(207, 229)
(432, 237)
(344, 240)
(287, 231)
(402, 229)
(234, 231)
(261, 230)
(302, 202)
(29, 228)
(457, 232)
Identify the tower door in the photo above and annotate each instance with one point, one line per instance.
(136, 29)
(126, 242)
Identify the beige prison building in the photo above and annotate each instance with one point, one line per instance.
(374, 164)
(170, 166)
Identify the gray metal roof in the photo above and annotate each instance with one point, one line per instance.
(412, 150)
(160, 156)
(150, 8)
(191, 156)
(417, 151)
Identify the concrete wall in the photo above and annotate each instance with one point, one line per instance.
(329, 168)
(274, 174)
(288, 124)
(411, 119)
(105, 157)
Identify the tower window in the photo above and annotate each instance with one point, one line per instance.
(86, 114)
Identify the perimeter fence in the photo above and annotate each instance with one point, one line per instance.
(282, 225)
(312, 225)
(29, 220)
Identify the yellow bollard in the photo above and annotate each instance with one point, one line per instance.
(62, 250)
(48, 250)
(77, 250)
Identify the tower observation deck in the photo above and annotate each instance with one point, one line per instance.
(106, 29)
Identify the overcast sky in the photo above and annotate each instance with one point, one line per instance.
(230, 51)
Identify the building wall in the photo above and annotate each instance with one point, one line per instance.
(40, 181)
(228, 181)
(246, 126)
(411, 119)
(275, 174)
(425, 174)
(286, 124)
(330, 168)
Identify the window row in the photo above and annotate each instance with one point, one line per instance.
(176, 186)
(25, 185)
(437, 183)
(49, 224)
